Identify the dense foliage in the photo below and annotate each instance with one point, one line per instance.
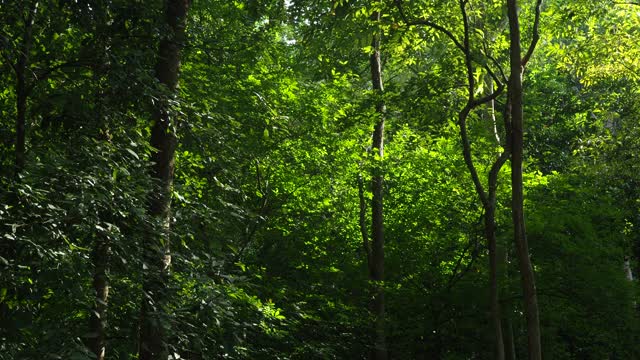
(271, 196)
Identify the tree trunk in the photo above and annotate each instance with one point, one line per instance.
(98, 318)
(507, 322)
(509, 341)
(21, 111)
(157, 256)
(517, 141)
(627, 269)
(364, 232)
(488, 199)
(496, 317)
(376, 268)
(21, 67)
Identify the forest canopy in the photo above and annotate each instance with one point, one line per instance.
(319, 179)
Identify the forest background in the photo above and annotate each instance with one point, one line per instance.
(319, 179)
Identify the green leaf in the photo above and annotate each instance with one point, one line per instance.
(133, 153)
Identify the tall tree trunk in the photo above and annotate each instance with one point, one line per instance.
(517, 145)
(157, 256)
(509, 340)
(490, 233)
(496, 317)
(102, 243)
(364, 232)
(627, 268)
(98, 318)
(507, 322)
(376, 268)
(21, 110)
(487, 198)
(20, 68)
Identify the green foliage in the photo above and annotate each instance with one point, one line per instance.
(274, 119)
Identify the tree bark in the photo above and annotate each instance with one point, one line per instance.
(98, 318)
(487, 198)
(517, 188)
(376, 268)
(364, 232)
(509, 341)
(627, 269)
(20, 68)
(496, 317)
(157, 256)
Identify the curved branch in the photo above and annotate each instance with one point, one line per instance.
(468, 61)
(496, 63)
(536, 35)
(491, 96)
(428, 23)
(466, 152)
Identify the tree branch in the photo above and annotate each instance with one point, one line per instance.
(428, 23)
(536, 35)
(47, 72)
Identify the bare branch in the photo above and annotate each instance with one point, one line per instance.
(489, 97)
(467, 50)
(504, 77)
(536, 35)
(466, 152)
(427, 23)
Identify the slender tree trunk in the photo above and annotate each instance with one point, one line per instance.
(102, 244)
(627, 268)
(509, 340)
(496, 317)
(364, 232)
(21, 110)
(517, 145)
(507, 322)
(98, 318)
(376, 268)
(21, 67)
(157, 256)
(490, 233)
(488, 199)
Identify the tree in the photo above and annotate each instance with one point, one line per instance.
(278, 113)
(20, 67)
(157, 256)
(487, 197)
(518, 63)
(376, 251)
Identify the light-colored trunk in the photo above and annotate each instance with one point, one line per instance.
(627, 269)
(376, 259)
(98, 318)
